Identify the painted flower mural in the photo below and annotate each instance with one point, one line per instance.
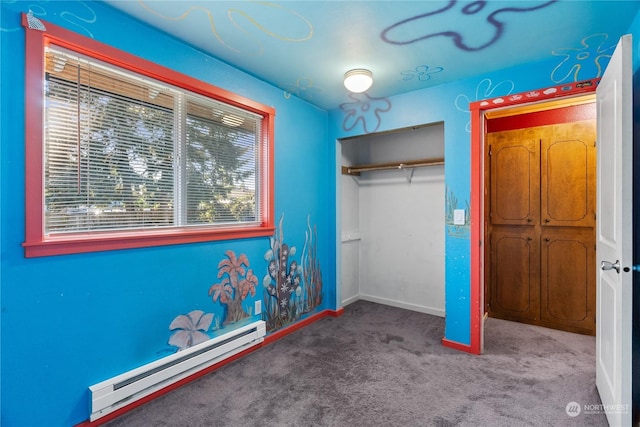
(484, 90)
(190, 329)
(233, 26)
(291, 289)
(365, 110)
(583, 62)
(236, 284)
(452, 203)
(311, 268)
(491, 17)
(421, 73)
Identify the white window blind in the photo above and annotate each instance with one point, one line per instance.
(124, 152)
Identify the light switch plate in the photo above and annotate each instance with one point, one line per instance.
(458, 217)
(258, 307)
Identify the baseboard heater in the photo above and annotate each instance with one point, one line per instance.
(124, 389)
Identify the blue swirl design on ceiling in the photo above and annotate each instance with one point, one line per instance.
(407, 29)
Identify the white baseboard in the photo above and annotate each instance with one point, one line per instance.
(413, 307)
(350, 300)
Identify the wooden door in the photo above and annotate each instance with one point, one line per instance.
(514, 272)
(541, 250)
(567, 194)
(567, 281)
(515, 175)
(568, 166)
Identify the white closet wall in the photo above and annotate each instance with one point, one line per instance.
(393, 221)
(350, 228)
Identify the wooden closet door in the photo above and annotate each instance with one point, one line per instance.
(567, 191)
(515, 177)
(567, 197)
(541, 249)
(514, 272)
(567, 282)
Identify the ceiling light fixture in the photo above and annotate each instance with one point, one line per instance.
(358, 80)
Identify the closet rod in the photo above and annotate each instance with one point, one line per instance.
(355, 170)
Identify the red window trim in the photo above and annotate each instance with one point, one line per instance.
(36, 243)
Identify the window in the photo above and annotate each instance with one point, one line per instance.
(131, 154)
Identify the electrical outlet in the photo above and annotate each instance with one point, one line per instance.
(458, 217)
(258, 307)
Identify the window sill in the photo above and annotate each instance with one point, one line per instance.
(96, 242)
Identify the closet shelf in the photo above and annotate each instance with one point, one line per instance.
(409, 164)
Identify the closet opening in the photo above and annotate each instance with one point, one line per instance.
(392, 216)
(540, 214)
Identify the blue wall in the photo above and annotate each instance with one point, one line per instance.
(69, 322)
(449, 103)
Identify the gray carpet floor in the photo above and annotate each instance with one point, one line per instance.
(383, 366)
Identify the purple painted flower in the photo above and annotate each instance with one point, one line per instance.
(422, 73)
(469, 17)
(365, 110)
(190, 329)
